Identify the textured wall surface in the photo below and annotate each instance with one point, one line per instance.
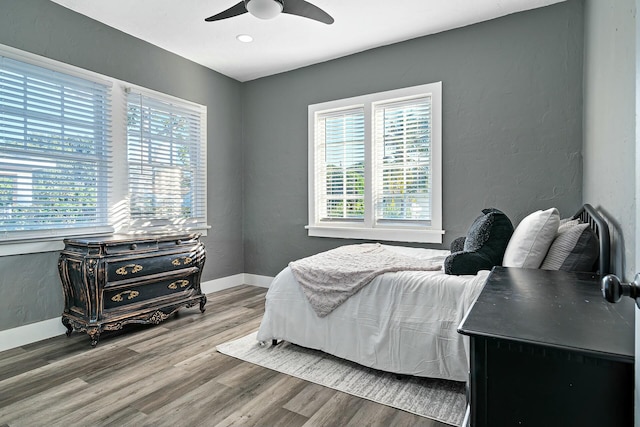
(512, 125)
(611, 132)
(610, 123)
(30, 289)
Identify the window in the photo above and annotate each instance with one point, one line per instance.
(340, 140)
(55, 158)
(375, 166)
(166, 157)
(82, 153)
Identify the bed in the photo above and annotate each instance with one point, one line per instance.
(406, 322)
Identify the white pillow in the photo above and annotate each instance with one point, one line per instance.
(531, 239)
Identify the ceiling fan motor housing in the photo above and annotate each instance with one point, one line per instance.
(264, 9)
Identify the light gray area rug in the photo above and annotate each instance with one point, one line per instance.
(440, 400)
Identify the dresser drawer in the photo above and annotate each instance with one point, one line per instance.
(143, 266)
(179, 241)
(142, 292)
(130, 247)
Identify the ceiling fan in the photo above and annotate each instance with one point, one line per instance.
(268, 9)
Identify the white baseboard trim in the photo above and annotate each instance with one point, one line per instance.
(27, 334)
(255, 280)
(221, 284)
(236, 280)
(32, 332)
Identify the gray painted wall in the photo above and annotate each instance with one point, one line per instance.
(30, 289)
(512, 126)
(611, 133)
(609, 123)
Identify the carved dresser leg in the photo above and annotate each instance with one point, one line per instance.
(94, 334)
(203, 301)
(67, 325)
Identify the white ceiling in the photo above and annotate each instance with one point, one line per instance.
(287, 42)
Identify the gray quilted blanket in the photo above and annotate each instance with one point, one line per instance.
(329, 278)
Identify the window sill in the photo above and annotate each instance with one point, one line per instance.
(31, 247)
(51, 244)
(387, 234)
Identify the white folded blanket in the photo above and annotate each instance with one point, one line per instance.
(329, 278)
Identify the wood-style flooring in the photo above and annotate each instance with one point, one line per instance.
(171, 375)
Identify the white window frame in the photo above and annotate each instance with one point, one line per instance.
(369, 229)
(117, 198)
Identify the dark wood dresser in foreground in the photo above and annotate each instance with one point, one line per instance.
(548, 350)
(109, 282)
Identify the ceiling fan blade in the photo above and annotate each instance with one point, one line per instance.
(306, 10)
(234, 10)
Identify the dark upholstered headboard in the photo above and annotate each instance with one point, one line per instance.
(588, 214)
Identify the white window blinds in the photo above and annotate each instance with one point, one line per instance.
(340, 165)
(55, 152)
(166, 152)
(403, 161)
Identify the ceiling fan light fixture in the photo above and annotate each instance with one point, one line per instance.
(264, 9)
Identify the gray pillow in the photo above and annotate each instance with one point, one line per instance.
(575, 248)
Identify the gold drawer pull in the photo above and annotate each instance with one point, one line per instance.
(185, 261)
(134, 269)
(119, 298)
(181, 283)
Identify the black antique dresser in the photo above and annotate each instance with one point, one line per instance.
(112, 281)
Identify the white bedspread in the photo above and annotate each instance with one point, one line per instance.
(404, 322)
(329, 278)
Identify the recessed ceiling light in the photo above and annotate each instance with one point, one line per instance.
(244, 38)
